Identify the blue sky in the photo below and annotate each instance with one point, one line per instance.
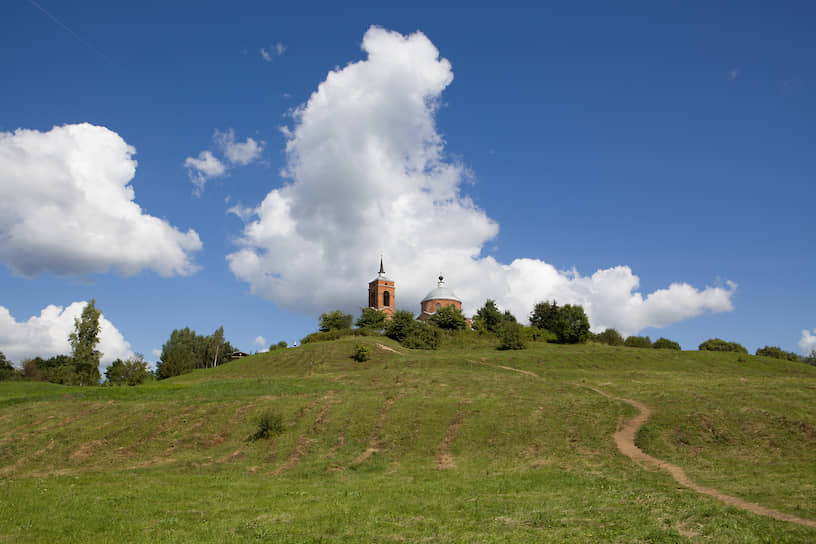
(668, 142)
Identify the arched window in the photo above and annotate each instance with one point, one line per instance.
(438, 306)
(386, 299)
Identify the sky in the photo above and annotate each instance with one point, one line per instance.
(246, 164)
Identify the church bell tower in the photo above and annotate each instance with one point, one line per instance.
(381, 293)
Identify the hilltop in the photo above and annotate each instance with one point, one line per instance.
(463, 444)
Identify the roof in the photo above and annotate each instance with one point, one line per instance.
(441, 293)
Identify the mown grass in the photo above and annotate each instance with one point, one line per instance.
(442, 446)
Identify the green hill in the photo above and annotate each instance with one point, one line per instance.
(464, 444)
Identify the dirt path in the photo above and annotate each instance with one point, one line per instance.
(386, 348)
(510, 368)
(625, 440)
(444, 459)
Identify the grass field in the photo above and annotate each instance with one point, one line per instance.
(446, 446)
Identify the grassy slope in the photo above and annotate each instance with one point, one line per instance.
(441, 446)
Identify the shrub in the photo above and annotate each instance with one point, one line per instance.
(534, 334)
(422, 336)
(638, 342)
(269, 424)
(361, 353)
(716, 344)
(610, 337)
(280, 345)
(810, 359)
(777, 353)
(511, 336)
(665, 343)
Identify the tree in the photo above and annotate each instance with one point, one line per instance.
(638, 342)
(7, 371)
(31, 370)
(175, 360)
(371, 319)
(83, 344)
(280, 345)
(571, 325)
(610, 337)
(448, 318)
(400, 326)
(545, 315)
(810, 359)
(335, 320)
(130, 372)
(665, 343)
(488, 317)
(716, 344)
(215, 347)
(511, 336)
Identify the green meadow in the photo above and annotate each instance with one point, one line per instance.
(454, 445)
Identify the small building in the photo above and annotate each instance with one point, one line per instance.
(238, 355)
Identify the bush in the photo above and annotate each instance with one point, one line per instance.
(665, 343)
(269, 424)
(610, 337)
(638, 342)
(810, 359)
(280, 345)
(511, 336)
(716, 344)
(534, 334)
(361, 353)
(422, 336)
(777, 353)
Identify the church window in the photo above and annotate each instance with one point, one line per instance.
(386, 299)
(438, 306)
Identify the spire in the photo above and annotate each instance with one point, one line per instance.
(382, 270)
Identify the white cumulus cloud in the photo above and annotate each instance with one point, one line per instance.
(260, 341)
(204, 167)
(67, 206)
(207, 166)
(368, 173)
(46, 335)
(807, 344)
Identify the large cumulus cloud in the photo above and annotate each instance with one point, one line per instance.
(807, 343)
(46, 335)
(67, 207)
(367, 173)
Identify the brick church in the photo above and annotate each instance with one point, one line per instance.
(381, 297)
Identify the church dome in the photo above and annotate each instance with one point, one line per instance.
(441, 293)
